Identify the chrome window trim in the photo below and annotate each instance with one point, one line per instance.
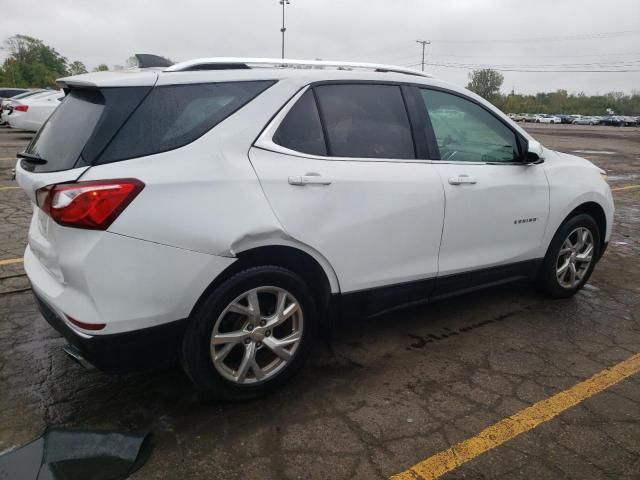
(265, 142)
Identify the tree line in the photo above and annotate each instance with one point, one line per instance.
(487, 83)
(33, 64)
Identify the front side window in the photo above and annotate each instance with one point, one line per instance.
(467, 132)
(365, 121)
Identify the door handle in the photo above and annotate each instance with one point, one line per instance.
(309, 179)
(462, 180)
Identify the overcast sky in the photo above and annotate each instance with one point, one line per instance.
(508, 34)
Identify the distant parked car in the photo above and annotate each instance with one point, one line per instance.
(586, 121)
(611, 120)
(6, 105)
(565, 118)
(530, 118)
(7, 92)
(518, 117)
(628, 121)
(548, 119)
(33, 112)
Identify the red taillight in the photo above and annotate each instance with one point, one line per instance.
(21, 108)
(92, 205)
(86, 326)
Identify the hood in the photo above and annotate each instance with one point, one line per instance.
(569, 159)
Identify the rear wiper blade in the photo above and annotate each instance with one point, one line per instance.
(29, 157)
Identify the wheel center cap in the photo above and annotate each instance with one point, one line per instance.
(257, 335)
(573, 257)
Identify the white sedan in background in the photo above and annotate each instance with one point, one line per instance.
(548, 119)
(7, 104)
(32, 112)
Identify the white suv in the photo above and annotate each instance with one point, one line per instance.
(221, 211)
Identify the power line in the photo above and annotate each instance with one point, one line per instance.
(584, 36)
(528, 70)
(618, 64)
(481, 57)
(623, 63)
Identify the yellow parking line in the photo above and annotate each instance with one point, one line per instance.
(523, 421)
(11, 261)
(628, 187)
(9, 188)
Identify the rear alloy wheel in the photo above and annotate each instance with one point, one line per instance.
(256, 335)
(571, 257)
(250, 334)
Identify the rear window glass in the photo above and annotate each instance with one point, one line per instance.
(172, 116)
(301, 129)
(366, 121)
(63, 136)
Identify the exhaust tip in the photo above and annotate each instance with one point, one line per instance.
(76, 355)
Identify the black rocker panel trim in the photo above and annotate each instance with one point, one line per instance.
(380, 300)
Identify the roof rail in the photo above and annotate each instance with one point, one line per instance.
(233, 63)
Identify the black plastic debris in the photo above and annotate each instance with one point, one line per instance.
(63, 454)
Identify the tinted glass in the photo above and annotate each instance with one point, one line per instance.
(25, 95)
(11, 92)
(301, 129)
(366, 121)
(467, 132)
(63, 136)
(172, 116)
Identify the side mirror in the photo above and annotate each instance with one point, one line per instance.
(534, 152)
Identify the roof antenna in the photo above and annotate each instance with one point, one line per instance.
(147, 60)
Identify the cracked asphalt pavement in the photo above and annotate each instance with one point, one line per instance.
(390, 392)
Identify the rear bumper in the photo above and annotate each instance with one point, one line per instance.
(128, 285)
(122, 352)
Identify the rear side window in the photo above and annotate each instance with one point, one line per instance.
(301, 129)
(63, 136)
(175, 115)
(365, 121)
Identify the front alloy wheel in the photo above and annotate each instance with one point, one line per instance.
(256, 335)
(574, 258)
(571, 257)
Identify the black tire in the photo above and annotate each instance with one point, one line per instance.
(196, 356)
(547, 281)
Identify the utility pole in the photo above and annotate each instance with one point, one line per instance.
(283, 29)
(424, 43)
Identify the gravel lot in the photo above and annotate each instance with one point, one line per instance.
(390, 392)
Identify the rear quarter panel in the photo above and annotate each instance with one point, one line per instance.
(204, 196)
